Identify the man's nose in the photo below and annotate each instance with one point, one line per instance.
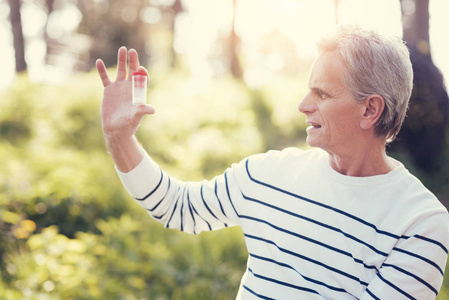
(306, 105)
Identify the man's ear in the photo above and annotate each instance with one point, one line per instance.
(372, 109)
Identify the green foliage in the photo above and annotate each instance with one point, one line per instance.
(444, 292)
(128, 261)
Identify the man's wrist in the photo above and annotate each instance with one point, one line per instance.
(124, 150)
(114, 139)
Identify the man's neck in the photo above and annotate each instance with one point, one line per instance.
(370, 160)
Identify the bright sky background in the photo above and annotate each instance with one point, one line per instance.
(301, 21)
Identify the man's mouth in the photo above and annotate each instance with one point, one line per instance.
(314, 125)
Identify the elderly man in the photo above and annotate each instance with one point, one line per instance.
(340, 221)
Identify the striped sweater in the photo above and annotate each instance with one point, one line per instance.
(311, 232)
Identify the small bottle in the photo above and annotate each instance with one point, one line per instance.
(140, 84)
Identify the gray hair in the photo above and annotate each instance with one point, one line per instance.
(375, 65)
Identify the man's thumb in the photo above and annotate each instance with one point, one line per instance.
(145, 109)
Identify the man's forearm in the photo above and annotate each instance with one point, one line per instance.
(126, 153)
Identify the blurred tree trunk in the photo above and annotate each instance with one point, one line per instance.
(337, 4)
(415, 22)
(234, 42)
(17, 33)
(423, 134)
(176, 9)
(50, 7)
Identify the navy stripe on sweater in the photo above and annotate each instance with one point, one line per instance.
(431, 241)
(207, 207)
(193, 207)
(257, 294)
(163, 197)
(229, 194)
(372, 295)
(412, 275)
(395, 287)
(155, 189)
(320, 224)
(219, 201)
(180, 196)
(308, 259)
(421, 258)
(305, 277)
(359, 261)
(282, 282)
(192, 215)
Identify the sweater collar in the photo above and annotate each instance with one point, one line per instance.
(351, 180)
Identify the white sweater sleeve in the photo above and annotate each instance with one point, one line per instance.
(187, 206)
(415, 267)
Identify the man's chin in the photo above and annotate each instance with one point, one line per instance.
(311, 142)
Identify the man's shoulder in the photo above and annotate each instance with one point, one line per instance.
(284, 162)
(289, 154)
(414, 197)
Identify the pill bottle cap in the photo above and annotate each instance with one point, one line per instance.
(140, 73)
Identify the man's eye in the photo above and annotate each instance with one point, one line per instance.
(318, 93)
(323, 95)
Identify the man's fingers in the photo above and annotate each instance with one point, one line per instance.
(133, 62)
(121, 63)
(102, 72)
(142, 69)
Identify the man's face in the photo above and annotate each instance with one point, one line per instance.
(333, 115)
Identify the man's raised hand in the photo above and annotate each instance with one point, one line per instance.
(120, 118)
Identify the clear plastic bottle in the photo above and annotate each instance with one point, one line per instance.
(140, 84)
